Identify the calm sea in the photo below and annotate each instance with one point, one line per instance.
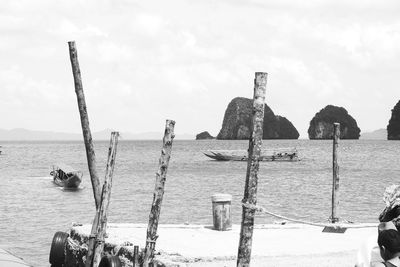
(32, 208)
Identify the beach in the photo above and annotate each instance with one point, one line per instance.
(273, 245)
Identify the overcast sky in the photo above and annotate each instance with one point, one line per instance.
(145, 61)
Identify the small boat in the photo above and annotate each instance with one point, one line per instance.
(65, 176)
(10, 260)
(241, 155)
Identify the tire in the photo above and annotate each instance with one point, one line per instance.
(57, 250)
(110, 261)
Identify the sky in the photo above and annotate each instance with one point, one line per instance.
(143, 62)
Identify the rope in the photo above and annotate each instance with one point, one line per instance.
(334, 225)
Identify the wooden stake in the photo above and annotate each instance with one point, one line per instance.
(335, 184)
(158, 193)
(136, 256)
(250, 190)
(87, 136)
(97, 235)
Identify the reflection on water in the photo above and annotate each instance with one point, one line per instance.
(33, 208)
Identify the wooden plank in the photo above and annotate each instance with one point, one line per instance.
(87, 136)
(96, 242)
(161, 175)
(250, 190)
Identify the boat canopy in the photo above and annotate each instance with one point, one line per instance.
(65, 168)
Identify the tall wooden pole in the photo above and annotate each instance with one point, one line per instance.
(250, 190)
(87, 136)
(335, 167)
(158, 193)
(96, 242)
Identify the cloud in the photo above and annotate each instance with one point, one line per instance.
(188, 60)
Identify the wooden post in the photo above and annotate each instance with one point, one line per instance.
(97, 235)
(87, 136)
(250, 190)
(136, 256)
(158, 193)
(221, 209)
(335, 184)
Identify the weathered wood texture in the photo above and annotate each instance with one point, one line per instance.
(96, 242)
(221, 206)
(250, 190)
(136, 256)
(158, 194)
(87, 135)
(335, 168)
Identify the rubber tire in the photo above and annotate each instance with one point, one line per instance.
(110, 261)
(57, 250)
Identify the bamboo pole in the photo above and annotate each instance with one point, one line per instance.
(250, 190)
(335, 169)
(161, 175)
(87, 136)
(97, 235)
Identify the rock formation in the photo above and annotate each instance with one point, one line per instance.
(204, 135)
(237, 122)
(393, 128)
(321, 126)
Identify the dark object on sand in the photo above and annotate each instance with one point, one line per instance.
(65, 176)
(237, 155)
(57, 256)
(110, 261)
(334, 229)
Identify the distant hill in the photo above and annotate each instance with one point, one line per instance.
(380, 134)
(20, 134)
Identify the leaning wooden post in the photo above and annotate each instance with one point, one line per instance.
(87, 136)
(158, 193)
(250, 190)
(97, 235)
(335, 167)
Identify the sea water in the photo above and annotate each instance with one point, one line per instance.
(32, 208)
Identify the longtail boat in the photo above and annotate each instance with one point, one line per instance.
(241, 155)
(65, 176)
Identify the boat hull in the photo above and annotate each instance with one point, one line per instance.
(72, 182)
(221, 156)
(65, 176)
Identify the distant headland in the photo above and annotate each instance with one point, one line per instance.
(321, 126)
(393, 128)
(237, 122)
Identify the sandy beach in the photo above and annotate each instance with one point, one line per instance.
(273, 245)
